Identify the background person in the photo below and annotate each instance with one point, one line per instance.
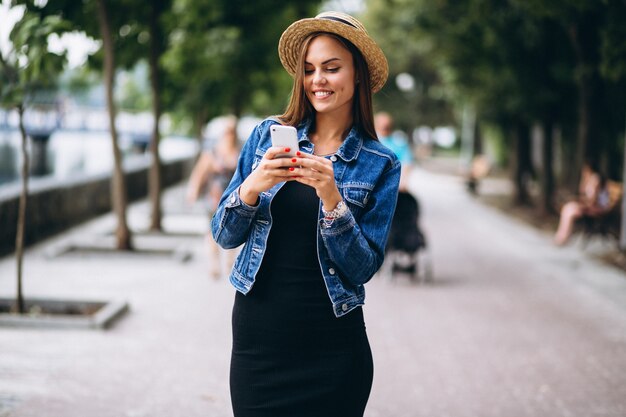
(593, 200)
(479, 169)
(314, 229)
(208, 180)
(398, 144)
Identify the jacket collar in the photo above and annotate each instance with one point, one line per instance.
(350, 147)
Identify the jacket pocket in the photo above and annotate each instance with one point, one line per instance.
(357, 197)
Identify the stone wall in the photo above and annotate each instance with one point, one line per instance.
(56, 205)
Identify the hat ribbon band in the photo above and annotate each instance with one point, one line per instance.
(337, 19)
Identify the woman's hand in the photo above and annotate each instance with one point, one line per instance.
(318, 173)
(270, 171)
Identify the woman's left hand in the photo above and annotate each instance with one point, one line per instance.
(317, 172)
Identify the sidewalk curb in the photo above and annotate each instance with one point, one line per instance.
(106, 314)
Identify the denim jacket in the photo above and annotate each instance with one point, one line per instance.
(351, 248)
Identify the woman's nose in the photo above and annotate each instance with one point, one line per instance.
(318, 78)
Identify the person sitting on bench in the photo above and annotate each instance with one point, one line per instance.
(593, 200)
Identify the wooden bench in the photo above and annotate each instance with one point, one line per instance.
(606, 225)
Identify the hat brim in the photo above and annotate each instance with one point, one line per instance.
(292, 38)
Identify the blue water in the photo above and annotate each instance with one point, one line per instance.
(72, 153)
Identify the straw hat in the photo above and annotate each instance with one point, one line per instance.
(340, 24)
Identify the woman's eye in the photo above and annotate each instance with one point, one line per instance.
(332, 69)
(309, 71)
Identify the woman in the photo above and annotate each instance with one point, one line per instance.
(215, 167)
(314, 229)
(211, 175)
(593, 200)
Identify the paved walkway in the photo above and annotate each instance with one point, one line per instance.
(511, 327)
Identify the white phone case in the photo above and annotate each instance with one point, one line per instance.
(285, 137)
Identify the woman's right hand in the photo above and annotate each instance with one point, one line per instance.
(269, 172)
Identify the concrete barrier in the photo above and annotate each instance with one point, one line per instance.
(55, 205)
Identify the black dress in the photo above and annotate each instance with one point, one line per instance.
(291, 356)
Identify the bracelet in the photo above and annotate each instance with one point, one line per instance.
(339, 211)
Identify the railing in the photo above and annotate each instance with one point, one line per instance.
(47, 118)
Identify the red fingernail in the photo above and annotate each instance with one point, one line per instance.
(291, 168)
(294, 160)
(297, 153)
(287, 149)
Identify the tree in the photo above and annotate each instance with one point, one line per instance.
(520, 63)
(106, 28)
(27, 68)
(393, 23)
(479, 47)
(119, 192)
(144, 38)
(157, 47)
(223, 59)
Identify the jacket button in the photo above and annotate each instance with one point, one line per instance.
(344, 307)
(331, 271)
(333, 158)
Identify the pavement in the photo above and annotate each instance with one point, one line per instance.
(511, 326)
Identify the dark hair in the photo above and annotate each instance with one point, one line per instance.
(300, 108)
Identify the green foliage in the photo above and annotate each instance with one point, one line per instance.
(218, 55)
(29, 66)
(128, 19)
(613, 42)
(133, 90)
(560, 62)
(222, 56)
(79, 82)
(393, 24)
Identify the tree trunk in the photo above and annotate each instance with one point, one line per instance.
(118, 183)
(622, 239)
(21, 217)
(547, 177)
(584, 39)
(198, 123)
(154, 179)
(570, 173)
(478, 139)
(468, 136)
(522, 170)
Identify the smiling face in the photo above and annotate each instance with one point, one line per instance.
(329, 76)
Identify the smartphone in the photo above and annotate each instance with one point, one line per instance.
(285, 137)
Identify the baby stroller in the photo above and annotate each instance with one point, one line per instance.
(406, 241)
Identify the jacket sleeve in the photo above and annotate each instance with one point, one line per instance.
(358, 249)
(232, 221)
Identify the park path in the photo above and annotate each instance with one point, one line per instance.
(510, 327)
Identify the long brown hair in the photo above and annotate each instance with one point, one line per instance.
(300, 108)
